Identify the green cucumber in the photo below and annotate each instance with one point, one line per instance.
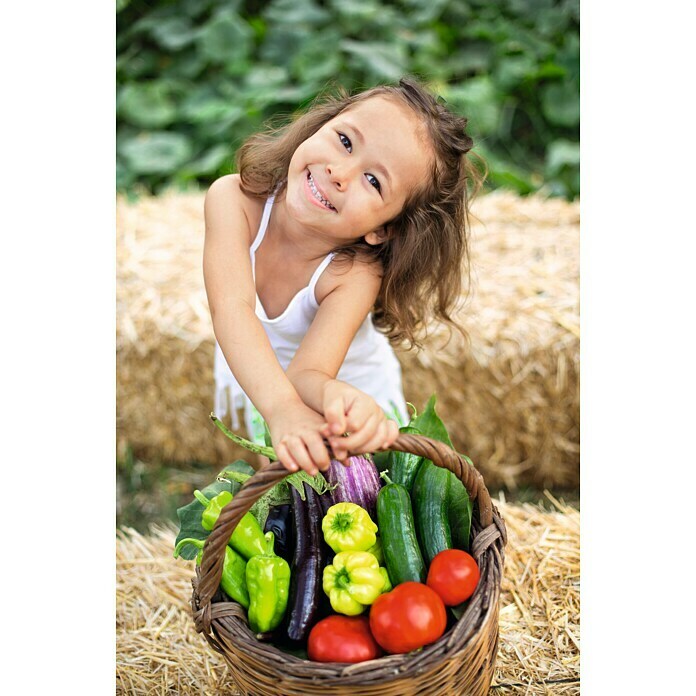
(430, 494)
(459, 513)
(398, 534)
(403, 466)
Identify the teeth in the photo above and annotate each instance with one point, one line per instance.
(318, 195)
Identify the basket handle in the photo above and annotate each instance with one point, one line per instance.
(270, 474)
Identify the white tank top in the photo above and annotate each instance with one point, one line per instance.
(370, 364)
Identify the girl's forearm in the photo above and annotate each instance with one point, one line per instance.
(251, 358)
(311, 386)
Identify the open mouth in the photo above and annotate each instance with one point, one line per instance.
(317, 195)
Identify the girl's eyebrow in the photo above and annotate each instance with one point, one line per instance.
(379, 167)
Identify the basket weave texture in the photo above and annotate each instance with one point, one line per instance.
(461, 662)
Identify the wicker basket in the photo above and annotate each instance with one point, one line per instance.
(461, 662)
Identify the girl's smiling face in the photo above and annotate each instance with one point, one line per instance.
(356, 172)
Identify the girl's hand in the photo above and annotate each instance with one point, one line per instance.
(347, 409)
(297, 439)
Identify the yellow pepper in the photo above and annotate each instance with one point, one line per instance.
(348, 527)
(354, 581)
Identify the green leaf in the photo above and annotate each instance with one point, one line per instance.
(381, 59)
(562, 154)
(280, 493)
(173, 33)
(560, 102)
(294, 12)
(147, 104)
(156, 153)
(459, 610)
(226, 38)
(479, 101)
(239, 466)
(430, 424)
(512, 179)
(210, 161)
(356, 9)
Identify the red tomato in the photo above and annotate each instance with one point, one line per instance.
(408, 617)
(453, 574)
(342, 639)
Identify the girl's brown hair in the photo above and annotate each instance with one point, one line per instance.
(426, 256)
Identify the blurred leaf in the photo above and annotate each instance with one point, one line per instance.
(355, 9)
(209, 162)
(420, 12)
(124, 176)
(174, 33)
(472, 58)
(477, 99)
(561, 154)
(147, 104)
(514, 70)
(383, 60)
(156, 153)
(560, 102)
(317, 60)
(122, 4)
(226, 38)
(203, 105)
(296, 12)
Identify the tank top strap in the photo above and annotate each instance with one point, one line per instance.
(264, 224)
(315, 276)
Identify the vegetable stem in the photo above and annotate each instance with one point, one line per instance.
(251, 446)
(200, 497)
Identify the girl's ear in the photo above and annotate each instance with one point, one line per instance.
(379, 236)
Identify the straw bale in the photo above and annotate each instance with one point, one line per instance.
(158, 650)
(510, 395)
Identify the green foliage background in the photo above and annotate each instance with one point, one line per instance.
(196, 77)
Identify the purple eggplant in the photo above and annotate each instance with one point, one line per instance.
(280, 522)
(307, 564)
(358, 483)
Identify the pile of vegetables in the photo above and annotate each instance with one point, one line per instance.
(347, 567)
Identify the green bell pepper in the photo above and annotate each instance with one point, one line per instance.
(247, 537)
(354, 581)
(233, 580)
(348, 527)
(268, 582)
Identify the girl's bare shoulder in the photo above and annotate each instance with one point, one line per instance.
(357, 274)
(225, 198)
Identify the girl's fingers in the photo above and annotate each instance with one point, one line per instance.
(392, 433)
(318, 452)
(285, 458)
(377, 440)
(355, 442)
(336, 417)
(299, 453)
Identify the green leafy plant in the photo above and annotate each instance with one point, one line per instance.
(196, 77)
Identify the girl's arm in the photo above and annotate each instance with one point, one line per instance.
(295, 428)
(314, 367)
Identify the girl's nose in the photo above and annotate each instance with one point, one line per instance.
(337, 176)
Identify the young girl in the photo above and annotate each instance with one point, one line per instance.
(343, 231)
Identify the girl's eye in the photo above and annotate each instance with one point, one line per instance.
(345, 140)
(373, 181)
